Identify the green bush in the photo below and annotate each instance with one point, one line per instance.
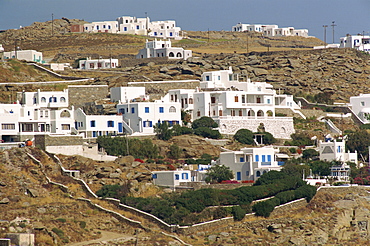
(207, 133)
(163, 131)
(61, 220)
(244, 136)
(82, 224)
(204, 122)
(175, 151)
(238, 213)
(59, 232)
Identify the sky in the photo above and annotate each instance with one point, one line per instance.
(350, 16)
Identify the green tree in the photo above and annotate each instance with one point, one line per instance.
(175, 151)
(299, 139)
(309, 154)
(244, 136)
(207, 133)
(321, 168)
(268, 138)
(295, 169)
(359, 141)
(204, 121)
(219, 173)
(163, 131)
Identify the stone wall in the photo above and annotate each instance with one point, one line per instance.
(200, 185)
(157, 60)
(42, 141)
(287, 207)
(81, 94)
(279, 127)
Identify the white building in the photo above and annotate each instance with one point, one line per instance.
(126, 94)
(171, 178)
(97, 125)
(27, 55)
(270, 30)
(143, 26)
(361, 107)
(163, 48)
(250, 163)
(101, 26)
(235, 105)
(133, 25)
(359, 42)
(141, 116)
(36, 113)
(165, 29)
(98, 63)
(333, 150)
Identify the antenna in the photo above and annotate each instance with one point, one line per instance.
(333, 25)
(325, 26)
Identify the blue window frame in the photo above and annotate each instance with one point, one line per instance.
(120, 127)
(257, 158)
(185, 176)
(94, 134)
(268, 101)
(110, 123)
(247, 173)
(154, 176)
(146, 109)
(338, 149)
(93, 123)
(269, 158)
(161, 110)
(241, 159)
(171, 34)
(155, 33)
(137, 27)
(52, 99)
(132, 110)
(263, 158)
(177, 176)
(238, 175)
(125, 28)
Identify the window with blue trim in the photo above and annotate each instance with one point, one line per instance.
(92, 123)
(238, 176)
(110, 123)
(177, 177)
(338, 150)
(241, 159)
(269, 158)
(257, 158)
(146, 109)
(161, 110)
(132, 110)
(185, 176)
(154, 176)
(263, 158)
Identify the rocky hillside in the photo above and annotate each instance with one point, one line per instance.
(29, 202)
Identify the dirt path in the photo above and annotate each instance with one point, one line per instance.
(105, 236)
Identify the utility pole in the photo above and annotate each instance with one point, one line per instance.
(208, 35)
(147, 23)
(52, 24)
(15, 49)
(333, 25)
(325, 26)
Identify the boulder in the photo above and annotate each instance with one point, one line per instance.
(125, 160)
(260, 71)
(4, 200)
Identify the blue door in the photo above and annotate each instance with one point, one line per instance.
(238, 176)
(94, 134)
(120, 127)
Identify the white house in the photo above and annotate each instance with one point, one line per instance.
(359, 42)
(163, 48)
(27, 55)
(98, 63)
(171, 178)
(101, 26)
(133, 25)
(333, 150)
(165, 29)
(97, 125)
(126, 94)
(270, 30)
(361, 107)
(250, 163)
(141, 116)
(235, 105)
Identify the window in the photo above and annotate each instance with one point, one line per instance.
(263, 158)
(362, 103)
(92, 123)
(29, 113)
(236, 98)
(103, 26)
(147, 123)
(132, 110)
(8, 126)
(219, 77)
(247, 173)
(258, 174)
(146, 109)
(172, 109)
(46, 114)
(171, 54)
(63, 99)
(268, 101)
(243, 98)
(241, 159)
(177, 176)
(52, 99)
(43, 99)
(190, 100)
(198, 113)
(161, 110)
(185, 176)
(338, 149)
(66, 127)
(125, 29)
(154, 176)
(137, 27)
(257, 158)
(213, 99)
(207, 78)
(269, 158)
(110, 123)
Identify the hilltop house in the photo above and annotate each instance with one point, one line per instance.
(361, 107)
(98, 63)
(27, 55)
(163, 48)
(359, 42)
(270, 30)
(126, 94)
(235, 105)
(250, 163)
(143, 26)
(101, 26)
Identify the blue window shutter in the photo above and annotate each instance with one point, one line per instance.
(144, 123)
(269, 158)
(257, 158)
(263, 158)
(238, 176)
(146, 109)
(150, 124)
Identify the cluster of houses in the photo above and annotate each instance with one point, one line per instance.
(270, 30)
(133, 25)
